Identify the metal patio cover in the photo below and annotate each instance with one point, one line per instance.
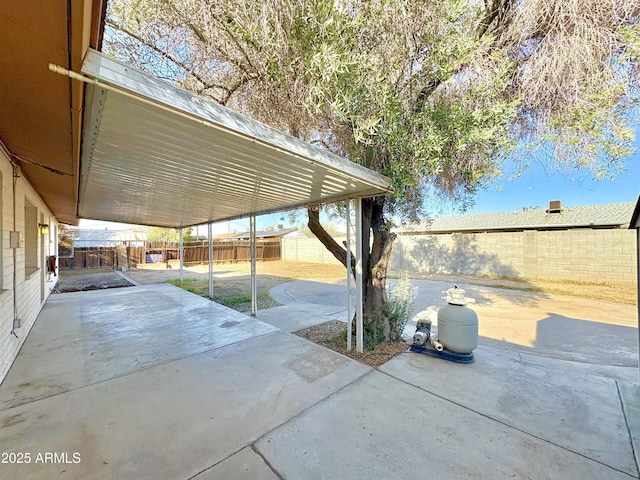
(154, 154)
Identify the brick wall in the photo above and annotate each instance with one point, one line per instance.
(598, 255)
(33, 285)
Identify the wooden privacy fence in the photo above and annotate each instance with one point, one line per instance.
(223, 251)
(103, 257)
(195, 253)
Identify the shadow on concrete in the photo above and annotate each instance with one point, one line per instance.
(577, 340)
(587, 341)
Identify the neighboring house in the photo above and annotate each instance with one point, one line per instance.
(108, 238)
(268, 233)
(583, 243)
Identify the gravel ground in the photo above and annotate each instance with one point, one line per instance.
(332, 335)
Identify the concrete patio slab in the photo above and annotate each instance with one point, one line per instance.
(405, 432)
(567, 328)
(573, 411)
(177, 419)
(88, 337)
(630, 396)
(625, 374)
(244, 465)
(311, 292)
(154, 382)
(292, 318)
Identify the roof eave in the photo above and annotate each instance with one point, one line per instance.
(635, 218)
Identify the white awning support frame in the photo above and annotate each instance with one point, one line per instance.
(359, 289)
(210, 239)
(350, 226)
(181, 256)
(254, 285)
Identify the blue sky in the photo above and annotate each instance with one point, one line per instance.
(537, 185)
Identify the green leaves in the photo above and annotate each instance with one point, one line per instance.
(433, 94)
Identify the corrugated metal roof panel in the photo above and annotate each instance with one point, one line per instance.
(192, 161)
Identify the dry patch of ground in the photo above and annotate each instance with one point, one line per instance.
(231, 284)
(333, 335)
(594, 290)
(232, 281)
(89, 279)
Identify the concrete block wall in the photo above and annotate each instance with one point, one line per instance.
(33, 286)
(306, 249)
(466, 254)
(587, 255)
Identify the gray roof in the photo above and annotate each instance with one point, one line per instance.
(615, 215)
(263, 234)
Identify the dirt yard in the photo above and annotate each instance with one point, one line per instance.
(231, 286)
(232, 280)
(89, 279)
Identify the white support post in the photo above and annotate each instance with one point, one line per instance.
(181, 256)
(359, 296)
(210, 236)
(349, 275)
(254, 289)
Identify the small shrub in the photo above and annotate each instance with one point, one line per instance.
(399, 307)
(373, 333)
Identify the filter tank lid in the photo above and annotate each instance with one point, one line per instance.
(455, 296)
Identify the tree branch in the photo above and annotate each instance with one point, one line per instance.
(186, 68)
(235, 41)
(497, 9)
(327, 240)
(425, 93)
(246, 78)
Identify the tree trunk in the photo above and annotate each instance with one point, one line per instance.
(376, 252)
(375, 275)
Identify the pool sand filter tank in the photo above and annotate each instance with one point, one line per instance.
(457, 330)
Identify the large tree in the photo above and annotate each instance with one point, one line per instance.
(435, 95)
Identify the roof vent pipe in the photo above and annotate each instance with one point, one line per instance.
(555, 206)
